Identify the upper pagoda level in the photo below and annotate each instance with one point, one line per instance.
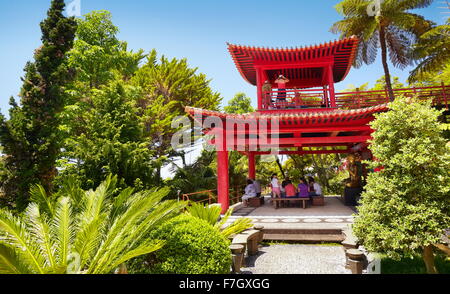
(311, 73)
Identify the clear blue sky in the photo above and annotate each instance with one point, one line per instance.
(195, 29)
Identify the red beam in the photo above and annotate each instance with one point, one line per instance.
(315, 140)
(305, 152)
(312, 130)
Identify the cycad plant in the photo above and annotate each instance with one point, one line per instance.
(82, 233)
(391, 27)
(212, 215)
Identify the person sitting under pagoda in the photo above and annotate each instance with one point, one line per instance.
(250, 192)
(290, 190)
(281, 82)
(314, 188)
(303, 189)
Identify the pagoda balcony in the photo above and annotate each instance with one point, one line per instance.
(320, 99)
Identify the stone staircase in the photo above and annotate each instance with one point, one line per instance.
(306, 236)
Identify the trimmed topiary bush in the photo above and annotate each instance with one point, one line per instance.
(192, 247)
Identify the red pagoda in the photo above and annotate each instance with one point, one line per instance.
(304, 116)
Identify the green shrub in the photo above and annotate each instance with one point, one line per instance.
(192, 247)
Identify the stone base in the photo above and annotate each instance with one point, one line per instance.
(351, 196)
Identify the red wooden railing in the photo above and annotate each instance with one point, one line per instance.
(318, 98)
(210, 196)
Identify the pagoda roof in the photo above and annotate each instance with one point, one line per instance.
(301, 118)
(340, 52)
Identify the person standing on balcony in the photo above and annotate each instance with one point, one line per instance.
(281, 82)
(267, 94)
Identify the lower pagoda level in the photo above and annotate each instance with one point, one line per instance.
(314, 132)
(299, 111)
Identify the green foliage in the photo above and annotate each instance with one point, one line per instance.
(91, 233)
(103, 132)
(192, 247)
(406, 206)
(380, 84)
(167, 87)
(240, 104)
(212, 215)
(30, 138)
(323, 165)
(107, 138)
(393, 28)
(98, 56)
(412, 265)
(433, 51)
(199, 176)
(119, 115)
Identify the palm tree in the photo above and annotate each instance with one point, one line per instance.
(392, 28)
(96, 235)
(433, 50)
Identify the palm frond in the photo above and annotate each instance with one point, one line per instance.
(13, 232)
(62, 230)
(399, 45)
(367, 51)
(39, 195)
(11, 262)
(224, 218)
(143, 249)
(89, 236)
(237, 227)
(40, 231)
(209, 214)
(144, 210)
(352, 7)
(410, 4)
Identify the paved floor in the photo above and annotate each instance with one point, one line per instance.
(297, 259)
(334, 215)
(333, 207)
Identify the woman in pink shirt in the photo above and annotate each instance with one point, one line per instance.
(291, 191)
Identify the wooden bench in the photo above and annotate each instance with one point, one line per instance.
(249, 239)
(277, 201)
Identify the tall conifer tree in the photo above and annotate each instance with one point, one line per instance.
(30, 138)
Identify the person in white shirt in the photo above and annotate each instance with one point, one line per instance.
(250, 191)
(276, 188)
(258, 189)
(315, 188)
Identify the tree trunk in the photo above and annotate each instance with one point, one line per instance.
(281, 168)
(428, 258)
(384, 60)
(324, 169)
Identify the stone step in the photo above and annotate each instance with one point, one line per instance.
(306, 238)
(303, 231)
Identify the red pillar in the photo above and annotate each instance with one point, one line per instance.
(223, 185)
(259, 84)
(251, 166)
(331, 84)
